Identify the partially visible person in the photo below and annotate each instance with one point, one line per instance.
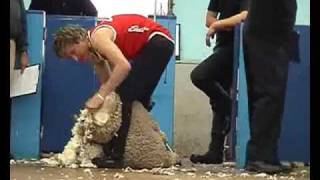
(18, 35)
(269, 40)
(214, 75)
(65, 7)
(18, 39)
(136, 48)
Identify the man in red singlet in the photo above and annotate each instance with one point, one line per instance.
(137, 50)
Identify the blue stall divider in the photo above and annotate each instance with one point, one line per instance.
(26, 109)
(163, 96)
(241, 97)
(294, 144)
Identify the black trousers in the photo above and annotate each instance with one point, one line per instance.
(266, 63)
(146, 70)
(139, 85)
(213, 76)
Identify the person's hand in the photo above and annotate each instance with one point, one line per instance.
(24, 61)
(210, 34)
(95, 102)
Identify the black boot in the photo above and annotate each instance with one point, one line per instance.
(108, 162)
(215, 153)
(276, 162)
(219, 130)
(265, 167)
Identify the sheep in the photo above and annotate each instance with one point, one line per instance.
(145, 146)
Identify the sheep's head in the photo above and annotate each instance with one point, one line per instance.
(106, 121)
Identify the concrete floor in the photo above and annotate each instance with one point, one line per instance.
(27, 170)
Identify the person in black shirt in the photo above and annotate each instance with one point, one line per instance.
(214, 75)
(269, 42)
(65, 7)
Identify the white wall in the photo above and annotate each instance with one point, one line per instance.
(303, 13)
(27, 3)
(107, 8)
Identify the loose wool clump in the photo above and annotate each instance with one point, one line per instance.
(145, 145)
(88, 133)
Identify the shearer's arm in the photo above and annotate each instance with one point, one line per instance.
(102, 41)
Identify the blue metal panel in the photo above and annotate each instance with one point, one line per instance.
(242, 118)
(294, 143)
(163, 111)
(26, 110)
(66, 87)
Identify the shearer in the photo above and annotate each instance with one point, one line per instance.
(136, 49)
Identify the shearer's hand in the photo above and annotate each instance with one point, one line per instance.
(95, 102)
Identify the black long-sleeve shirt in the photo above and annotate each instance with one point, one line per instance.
(65, 7)
(18, 26)
(272, 18)
(226, 9)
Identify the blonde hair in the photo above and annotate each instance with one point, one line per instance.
(68, 35)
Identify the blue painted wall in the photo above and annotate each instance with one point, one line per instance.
(66, 87)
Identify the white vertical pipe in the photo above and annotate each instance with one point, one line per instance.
(155, 10)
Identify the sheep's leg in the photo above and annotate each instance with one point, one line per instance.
(119, 142)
